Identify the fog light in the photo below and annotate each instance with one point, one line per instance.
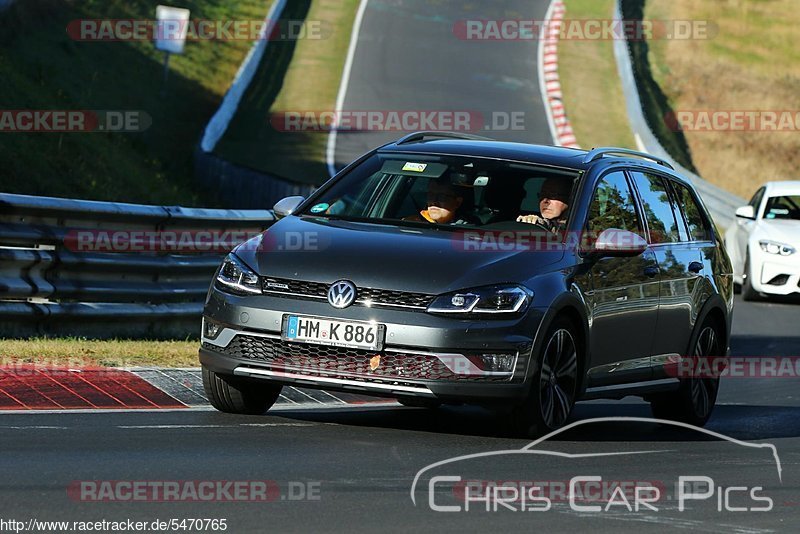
(210, 329)
(495, 363)
(779, 280)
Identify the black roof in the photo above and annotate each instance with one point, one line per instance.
(555, 156)
(570, 158)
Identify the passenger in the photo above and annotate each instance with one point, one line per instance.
(553, 205)
(443, 203)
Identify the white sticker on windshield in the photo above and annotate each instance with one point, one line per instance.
(416, 167)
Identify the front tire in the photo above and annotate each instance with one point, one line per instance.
(748, 293)
(555, 383)
(229, 395)
(696, 396)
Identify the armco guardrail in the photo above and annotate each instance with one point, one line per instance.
(104, 269)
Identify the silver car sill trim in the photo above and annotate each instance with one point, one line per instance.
(634, 385)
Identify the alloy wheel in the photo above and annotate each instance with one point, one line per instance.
(558, 378)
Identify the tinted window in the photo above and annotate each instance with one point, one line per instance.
(699, 229)
(658, 209)
(756, 200)
(415, 189)
(786, 207)
(612, 207)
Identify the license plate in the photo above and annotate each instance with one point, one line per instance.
(322, 331)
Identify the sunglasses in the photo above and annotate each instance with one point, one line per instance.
(441, 197)
(553, 196)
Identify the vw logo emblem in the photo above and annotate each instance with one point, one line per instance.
(341, 294)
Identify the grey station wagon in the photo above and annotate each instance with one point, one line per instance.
(448, 268)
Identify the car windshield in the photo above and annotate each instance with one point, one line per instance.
(785, 207)
(443, 191)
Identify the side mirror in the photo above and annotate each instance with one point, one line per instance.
(746, 212)
(286, 206)
(616, 242)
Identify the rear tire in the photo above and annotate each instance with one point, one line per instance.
(229, 395)
(555, 383)
(748, 293)
(695, 398)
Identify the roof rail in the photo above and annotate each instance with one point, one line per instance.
(597, 153)
(419, 136)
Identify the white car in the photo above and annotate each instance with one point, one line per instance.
(764, 242)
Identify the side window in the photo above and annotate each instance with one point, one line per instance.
(699, 227)
(657, 206)
(612, 207)
(756, 200)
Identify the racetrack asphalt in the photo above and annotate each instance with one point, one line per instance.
(359, 462)
(410, 56)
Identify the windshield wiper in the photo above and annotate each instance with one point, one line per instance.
(336, 217)
(384, 222)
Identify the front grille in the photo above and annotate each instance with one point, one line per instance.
(383, 297)
(364, 295)
(321, 360)
(295, 287)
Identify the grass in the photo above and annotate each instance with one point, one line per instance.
(303, 75)
(42, 68)
(80, 352)
(656, 105)
(752, 62)
(592, 91)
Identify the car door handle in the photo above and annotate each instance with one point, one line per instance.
(651, 271)
(695, 267)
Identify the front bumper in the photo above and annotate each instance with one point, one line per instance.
(777, 275)
(423, 356)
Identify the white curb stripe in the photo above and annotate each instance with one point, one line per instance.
(330, 155)
(216, 127)
(549, 82)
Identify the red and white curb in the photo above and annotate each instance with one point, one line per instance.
(29, 387)
(34, 388)
(552, 95)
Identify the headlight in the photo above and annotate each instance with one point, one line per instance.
(237, 278)
(483, 300)
(776, 248)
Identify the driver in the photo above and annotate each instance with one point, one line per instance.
(443, 203)
(553, 205)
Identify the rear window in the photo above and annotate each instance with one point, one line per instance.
(415, 189)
